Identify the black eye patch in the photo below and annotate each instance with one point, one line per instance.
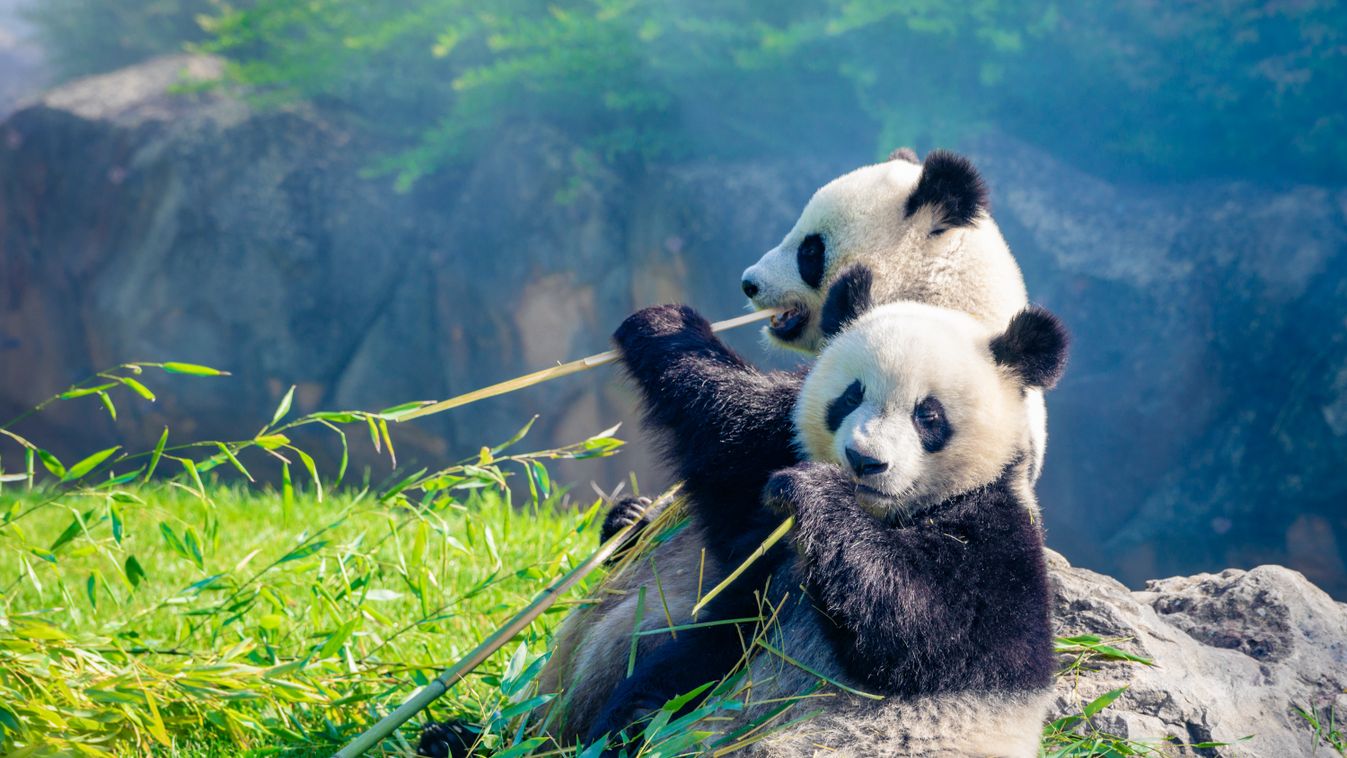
(932, 425)
(844, 404)
(809, 259)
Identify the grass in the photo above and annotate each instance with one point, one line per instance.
(279, 634)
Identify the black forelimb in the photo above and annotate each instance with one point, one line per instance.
(956, 600)
(725, 424)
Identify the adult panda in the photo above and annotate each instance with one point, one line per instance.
(915, 545)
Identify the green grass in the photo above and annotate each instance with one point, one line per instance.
(248, 646)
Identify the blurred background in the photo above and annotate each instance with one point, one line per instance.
(389, 201)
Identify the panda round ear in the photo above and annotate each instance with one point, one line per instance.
(905, 154)
(951, 187)
(1034, 347)
(848, 297)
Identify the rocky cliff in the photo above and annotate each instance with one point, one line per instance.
(1202, 424)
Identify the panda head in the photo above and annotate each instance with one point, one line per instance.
(922, 403)
(899, 208)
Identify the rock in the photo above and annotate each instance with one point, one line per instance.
(1203, 420)
(137, 224)
(1234, 653)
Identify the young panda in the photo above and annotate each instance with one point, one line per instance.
(920, 231)
(921, 567)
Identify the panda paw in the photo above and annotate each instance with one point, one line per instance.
(445, 739)
(661, 323)
(792, 490)
(628, 510)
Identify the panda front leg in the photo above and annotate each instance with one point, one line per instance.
(896, 591)
(727, 425)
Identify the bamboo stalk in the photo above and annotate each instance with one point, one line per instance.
(558, 371)
(451, 676)
(757, 553)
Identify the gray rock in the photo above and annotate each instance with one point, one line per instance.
(1234, 652)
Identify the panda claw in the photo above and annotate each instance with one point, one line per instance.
(445, 739)
(624, 513)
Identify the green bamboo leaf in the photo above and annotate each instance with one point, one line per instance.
(303, 551)
(193, 545)
(224, 450)
(337, 417)
(172, 539)
(284, 407)
(76, 526)
(137, 387)
(106, 400)
(192, 369)
(189, 466)
(78, 470)
(313, 471)
(134, 572)
(85, 391)
(338, 638)
(115, 513)
(51, 463)
(287, 491)
(90, 587)
(157, 454)
(1102, 702)
(519, 435)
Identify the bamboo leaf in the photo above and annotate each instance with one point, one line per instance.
(104, 398)
(51, 463)
(78, 470)
(137, 387)
(134, 572)
(85, 391)
(313, 471)
(1102, 702)
(303, 551)
(157, 454)
(284, 407)
(192, 369)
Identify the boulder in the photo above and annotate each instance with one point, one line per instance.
(1233, 655)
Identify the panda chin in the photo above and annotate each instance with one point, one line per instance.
(875, 501)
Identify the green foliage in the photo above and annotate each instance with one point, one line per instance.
(178, 615)
(84, 37)
(1175, 91)
(1324, 727)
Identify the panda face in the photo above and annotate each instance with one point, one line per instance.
(871, 215)
(922, 403)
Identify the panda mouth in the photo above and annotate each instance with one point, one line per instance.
(789, 323)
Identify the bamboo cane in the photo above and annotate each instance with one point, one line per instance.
(451, 676)
(558, 371)
(757, 553)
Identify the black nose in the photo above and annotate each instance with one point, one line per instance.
(864, 465)
(750, 288)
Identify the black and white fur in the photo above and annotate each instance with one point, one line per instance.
(920, 231)
(720, 411)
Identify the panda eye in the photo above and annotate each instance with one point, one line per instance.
(844, 404)
(931, 424)
(809, 259)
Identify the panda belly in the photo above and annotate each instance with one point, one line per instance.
(593, 645)
(963, 724)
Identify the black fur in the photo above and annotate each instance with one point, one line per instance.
(445, 739)
(628, 510)
(956, 601)
(952, 186)
(932, 425)
(905, 154)
(842, 405)
(1034, 346)
(725, 425)
(809, 259)
(848, 297)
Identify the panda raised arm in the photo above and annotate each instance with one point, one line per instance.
(725, 425)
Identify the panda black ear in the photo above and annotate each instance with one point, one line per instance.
(905, 154)
(848, 297)
(951, 187)
(1034, 346)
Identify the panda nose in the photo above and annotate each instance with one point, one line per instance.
(750, 288)
(864, 465)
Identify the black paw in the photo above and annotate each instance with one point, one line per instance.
(628, 510)
(661, 321)
(790, 489)
(446, 739)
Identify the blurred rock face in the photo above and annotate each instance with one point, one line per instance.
(1203, 422)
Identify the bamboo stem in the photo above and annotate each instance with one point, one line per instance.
(757, 553)
(558, 371)
(451, 676)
